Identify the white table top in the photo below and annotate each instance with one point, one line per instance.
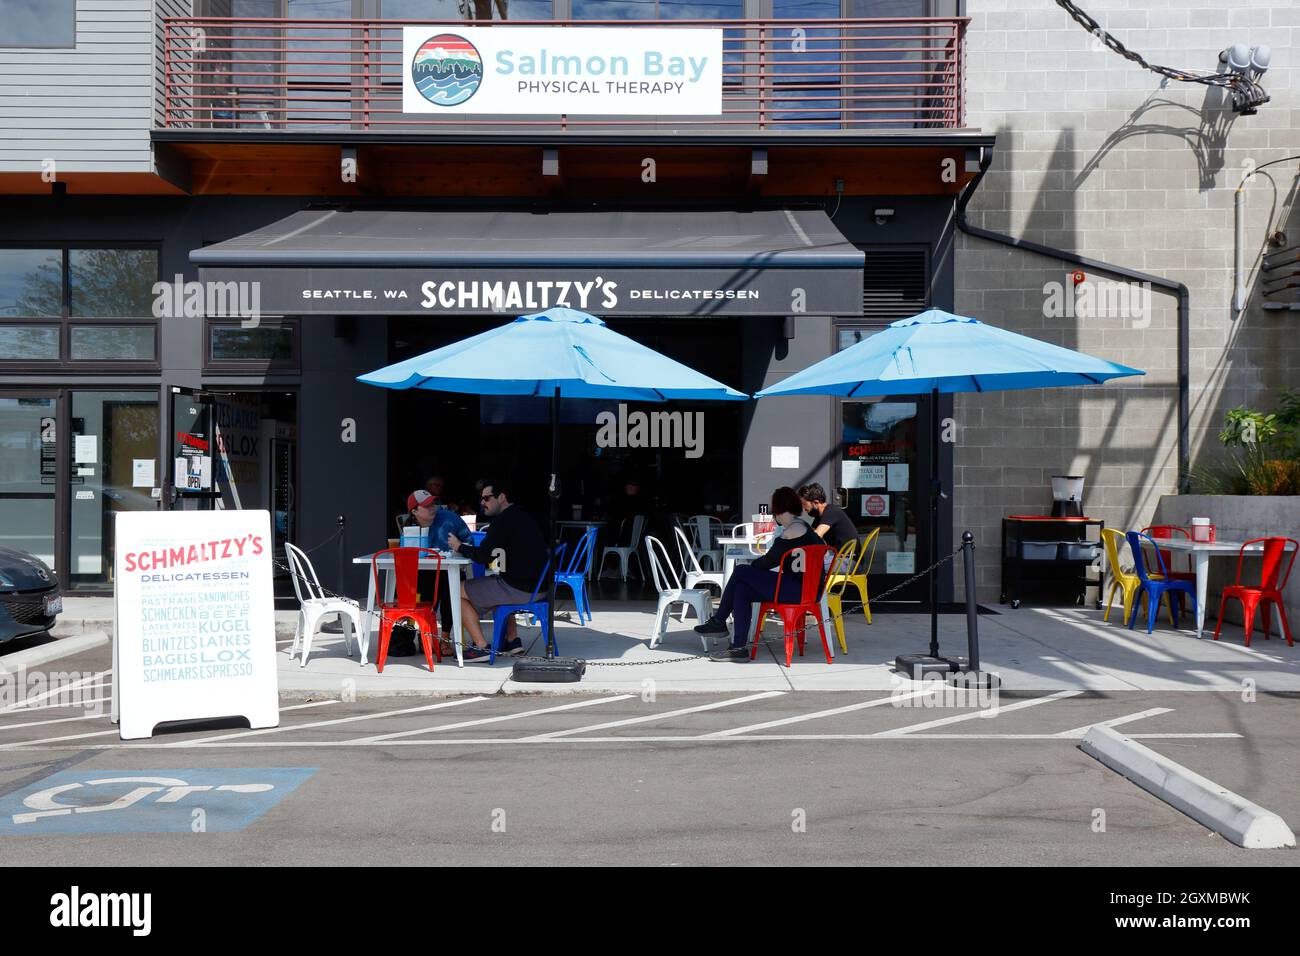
(729, 540)
(1185, 544)
(426, 561)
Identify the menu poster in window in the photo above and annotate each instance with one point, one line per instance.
(49, 452)
(195, 619)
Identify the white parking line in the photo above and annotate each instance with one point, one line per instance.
(108, 733)
(326, 723)
(878, 702)
(28, 701)
(56, 720)
(29, 710)
(649, 717)
(973, 715)
(1116, 722)
(488, 720)
(743, 738)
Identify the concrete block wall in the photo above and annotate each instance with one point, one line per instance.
(1095, 155)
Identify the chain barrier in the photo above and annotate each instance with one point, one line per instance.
(846, 608)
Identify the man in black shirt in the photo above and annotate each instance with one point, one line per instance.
(829, 521)
(515, 542)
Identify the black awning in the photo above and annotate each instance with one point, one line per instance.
(771, 262)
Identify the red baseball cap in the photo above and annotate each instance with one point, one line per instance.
(420, 499)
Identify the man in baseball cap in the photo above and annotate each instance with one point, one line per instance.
(425, 513)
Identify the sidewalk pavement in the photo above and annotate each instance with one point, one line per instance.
(1034, 649)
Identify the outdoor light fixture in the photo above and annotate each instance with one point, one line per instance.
(883, 216)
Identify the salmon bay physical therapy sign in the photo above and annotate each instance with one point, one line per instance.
(194, 619)
(591, 71)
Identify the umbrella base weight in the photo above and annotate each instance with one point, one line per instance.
(926, 667)
(556, 670)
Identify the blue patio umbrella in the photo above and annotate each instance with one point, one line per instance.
(935, 352)
(559, 353)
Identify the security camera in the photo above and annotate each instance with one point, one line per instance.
(883, 216)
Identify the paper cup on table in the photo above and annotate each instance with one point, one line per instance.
(1201, 530)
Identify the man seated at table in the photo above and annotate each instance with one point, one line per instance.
(829, 521)
(756, 582)
(424, 512)
(516, 543)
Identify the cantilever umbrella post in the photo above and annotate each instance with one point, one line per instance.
(554, 494)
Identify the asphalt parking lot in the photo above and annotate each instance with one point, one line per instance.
(616, 778)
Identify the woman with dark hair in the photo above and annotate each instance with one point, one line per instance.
(756, 582)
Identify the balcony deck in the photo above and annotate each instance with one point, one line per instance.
(784, 81)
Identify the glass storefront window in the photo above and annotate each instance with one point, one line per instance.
(31, 282)
(266, 343)
(114, 449)
(29, 343)
(439, 11)
(877, 469)
(28, 463)
(39, 23)
(114, 283)
(115, 343)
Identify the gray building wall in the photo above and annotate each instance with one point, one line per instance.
(1094, 156)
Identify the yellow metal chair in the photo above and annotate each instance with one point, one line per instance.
(1123, 580)
(834, 594)
(855, 576)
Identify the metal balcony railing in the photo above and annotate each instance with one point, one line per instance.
(298, 75)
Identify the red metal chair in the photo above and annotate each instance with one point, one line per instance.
(1269, 590)
(407, 606)
(810, 601)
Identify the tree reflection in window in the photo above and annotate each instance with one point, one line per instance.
(116, 283)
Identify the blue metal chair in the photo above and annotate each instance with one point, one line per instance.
(574, 576)
(477, 570)
(1156, 589)
(537, 608)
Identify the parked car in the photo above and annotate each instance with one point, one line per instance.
(29, 595)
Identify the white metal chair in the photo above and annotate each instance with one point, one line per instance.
(695, 598)
(314, 606)
(692, 573)
(625, 551)
(707, 530)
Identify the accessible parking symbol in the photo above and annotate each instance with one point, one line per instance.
(147, 801)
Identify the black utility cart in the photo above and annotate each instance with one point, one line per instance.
(1044, 556)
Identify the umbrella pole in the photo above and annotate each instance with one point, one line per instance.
(920, 666)
(554, 494)
(936, 489)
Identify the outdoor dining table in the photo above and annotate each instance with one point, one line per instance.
(735, 551)
(584, 526)
(1201, 552)
(456, 568)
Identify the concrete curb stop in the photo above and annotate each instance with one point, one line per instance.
(44, 653)
(1233, 816)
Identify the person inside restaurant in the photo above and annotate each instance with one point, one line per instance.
(829, 521)
(756, 582)
(424, 511)
(516, 543)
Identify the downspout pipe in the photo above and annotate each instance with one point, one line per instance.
(1164, 285)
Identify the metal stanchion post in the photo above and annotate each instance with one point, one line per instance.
(336, 626)
(968, 673)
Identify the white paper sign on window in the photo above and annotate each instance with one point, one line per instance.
(858, 474)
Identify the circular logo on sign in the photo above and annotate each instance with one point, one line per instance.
(874, 505)
(447, 69)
